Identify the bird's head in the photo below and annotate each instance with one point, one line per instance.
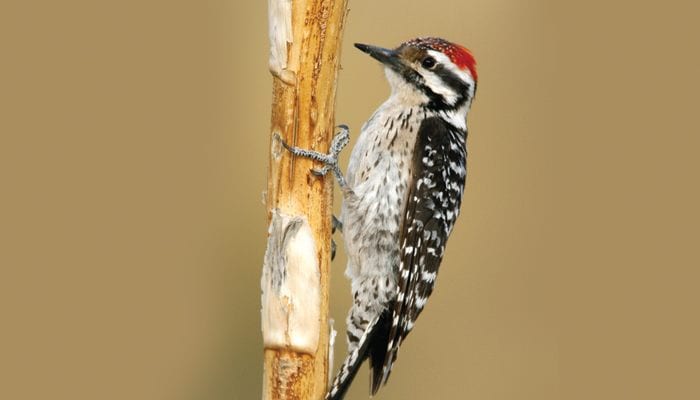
(431, 72)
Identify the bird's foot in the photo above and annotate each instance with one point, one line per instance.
(330, 160)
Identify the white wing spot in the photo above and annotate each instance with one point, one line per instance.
(428, 276)
(420, 302)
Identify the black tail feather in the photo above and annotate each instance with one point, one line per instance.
(367, 347)
(378, 352)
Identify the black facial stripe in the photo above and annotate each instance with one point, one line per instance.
(452, 80)
(437, 101)
(413, 77)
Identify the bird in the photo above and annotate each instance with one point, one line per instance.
(402, 193)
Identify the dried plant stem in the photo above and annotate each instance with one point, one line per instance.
(305, 49)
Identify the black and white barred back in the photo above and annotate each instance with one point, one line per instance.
(432, 208)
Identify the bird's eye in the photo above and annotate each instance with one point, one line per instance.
(428, 62)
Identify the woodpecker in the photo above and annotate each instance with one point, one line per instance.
(401, 196)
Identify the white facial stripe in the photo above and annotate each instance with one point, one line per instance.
(457, 118)
(408, 94)
(445, 61)
(450, 66)
(435, 83)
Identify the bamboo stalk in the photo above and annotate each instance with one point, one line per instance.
(304, 60)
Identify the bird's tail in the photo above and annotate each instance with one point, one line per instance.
(352, 363)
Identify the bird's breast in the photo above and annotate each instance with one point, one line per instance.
(378, 175)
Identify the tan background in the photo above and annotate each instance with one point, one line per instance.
(133, 140)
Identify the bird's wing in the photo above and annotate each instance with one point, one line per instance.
(432, 205)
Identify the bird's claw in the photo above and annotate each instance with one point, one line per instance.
(321, 171)
(330, 160)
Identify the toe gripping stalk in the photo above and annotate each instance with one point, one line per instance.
(330, 160)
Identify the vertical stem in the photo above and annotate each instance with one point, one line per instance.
(305, 49)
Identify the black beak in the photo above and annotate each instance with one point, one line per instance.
(387, 57)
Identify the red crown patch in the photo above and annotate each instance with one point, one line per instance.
(460, 56)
